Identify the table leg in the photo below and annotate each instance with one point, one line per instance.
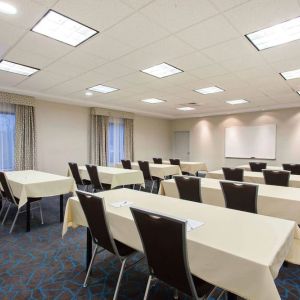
(28, 216)
(89, 248)
(231, 296)
(61, 208)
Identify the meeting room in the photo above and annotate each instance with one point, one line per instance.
(149, 149)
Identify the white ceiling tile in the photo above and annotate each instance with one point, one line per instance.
(208, 71)
(178, 14)
(286, 64)
(46, 3)
(10, 79)
(227, 4)
(209, 33)
(136, 4)
(67, 69)
(257, 14)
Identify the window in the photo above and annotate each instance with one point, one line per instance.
(116, 141)
(7, 137)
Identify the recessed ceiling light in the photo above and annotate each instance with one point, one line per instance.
(209, 90)
(162, 70)
(276, 35)
(185, 108)
(238, 101)
(87, 93)
(12, 67)
(153, 101)
(102, 89)
(63, 29)
(298, 92)
(7, 8)
(291, 74)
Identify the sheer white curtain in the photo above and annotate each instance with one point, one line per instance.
(116, 144)
(7, 136)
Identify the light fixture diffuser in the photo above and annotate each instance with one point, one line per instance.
(209, 90)
(162, 70)
(298, 92)
(291, 74)
(7, 8)
(63, 29)
(185, 108)
(88, 93)
(276, 35)
(238, 101)
(153, 101)
(102, 89)
(12, 67)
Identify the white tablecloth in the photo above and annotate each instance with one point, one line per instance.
(37, 184)
(254, 177)
(247, 167)
(274, 201)
(157, 170)
(115, 176)
(190, 166)
(237, 251)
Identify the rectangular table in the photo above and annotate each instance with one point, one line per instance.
(191, 167)
(115, 176)
(157, 170)
(274, 201)
(36, 184)
(247, 167)
(254, 177)
(237, 251)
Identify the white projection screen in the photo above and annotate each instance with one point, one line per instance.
(251, 142)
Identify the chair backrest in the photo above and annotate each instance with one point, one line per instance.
(6, 188)
(157, 160)
(94, 211)
(75, 173)
(94, 177)
(145, 168)
(234, 174)
(189, 188)
(240, 196)
(164, 244)
(294, 168)
(257, 166)
(280, 178)
(126, 163)
(175, 161)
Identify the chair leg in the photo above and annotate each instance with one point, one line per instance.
(152, 186)
(119, 279)
(5, 216)
(14, 222)
(41, 212)
(90, 267)
(148, 287)
(3, 205)
(175, 296)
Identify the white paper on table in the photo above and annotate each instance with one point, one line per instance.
(121, 203)
(193, 224)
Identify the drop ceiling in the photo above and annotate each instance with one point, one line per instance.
(204, 38)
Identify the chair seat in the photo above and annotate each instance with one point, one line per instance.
(123, 249)
(203, 288)
(86, 182)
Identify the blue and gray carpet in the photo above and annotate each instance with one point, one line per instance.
(42, 265)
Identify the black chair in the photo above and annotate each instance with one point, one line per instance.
(157, 160)
(126, 163)
(257, 166)
(94, 211)
(76, 175)
(14, 201)
(95, 180)
(280, 178)
(240, 196)
(174, 161)
(145, 168)
(189, 188)
(293, 168)
(234, 174)
(164, 243)
(3, 201)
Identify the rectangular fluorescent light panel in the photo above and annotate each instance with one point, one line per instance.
(185, 108)
(276, 35)
(102, 89)
(291, 74)
(162, 70)
(298, 92)
(239, 101)
(209, 90)
(153, 101)
(17, 68)
(63, 29)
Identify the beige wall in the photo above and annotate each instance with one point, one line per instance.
(63, 136)
(207, 135)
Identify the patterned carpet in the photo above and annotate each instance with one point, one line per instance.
(42, 265)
